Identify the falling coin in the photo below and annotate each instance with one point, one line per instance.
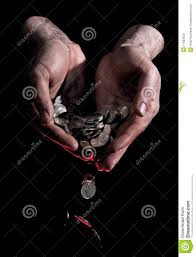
(88, 189)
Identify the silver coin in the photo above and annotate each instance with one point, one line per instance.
(93, 124)
(88, 189)
(112, 114)
(100, 126)
(59, 109)
(123, 111)
(103, 137)
(96, 117)
(60, 121)
(58, 100)
(97, 125)
(90, 133)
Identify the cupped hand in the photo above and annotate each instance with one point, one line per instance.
(128, 77)
(53, 63)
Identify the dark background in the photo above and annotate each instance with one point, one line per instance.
(50, 179)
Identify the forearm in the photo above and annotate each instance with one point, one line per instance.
(41, 29)
(145, 37)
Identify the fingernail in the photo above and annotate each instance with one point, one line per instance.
(45, 118)
(142, 109)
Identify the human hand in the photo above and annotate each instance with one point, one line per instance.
(55, 58)
(128, 77)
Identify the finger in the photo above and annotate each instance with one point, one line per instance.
(40, 80)
(148, 90)
(126, 134)
(110, 161)
(51, 131)
(63, 138)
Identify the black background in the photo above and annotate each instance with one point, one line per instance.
(50, 179)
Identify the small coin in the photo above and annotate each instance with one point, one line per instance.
(58, 100)
(112, 114)
(60, 121)
(103, 137)
(96, 117)
(90, 133)
(123, 111)
(88, 189)
(97, 125)
(94, 125)
(59, 109)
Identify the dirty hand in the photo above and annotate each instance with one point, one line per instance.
(128, 77)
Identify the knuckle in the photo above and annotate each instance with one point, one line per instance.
(42, 71)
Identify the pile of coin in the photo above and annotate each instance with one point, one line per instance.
(95, 130)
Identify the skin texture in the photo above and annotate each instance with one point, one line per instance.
(130, 78)
(55, 58)
(127, 76)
